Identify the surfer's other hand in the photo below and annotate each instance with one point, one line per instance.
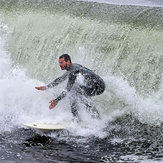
(53, 104)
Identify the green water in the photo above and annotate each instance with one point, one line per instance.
(122, 44)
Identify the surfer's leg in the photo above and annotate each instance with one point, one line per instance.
(73, 98)
(90, 107)
(85, 96)
(74, 109)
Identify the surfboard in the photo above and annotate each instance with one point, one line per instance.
(45, 126)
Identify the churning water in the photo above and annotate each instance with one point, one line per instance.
(121, 43)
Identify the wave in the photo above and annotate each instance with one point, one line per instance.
(151, 3)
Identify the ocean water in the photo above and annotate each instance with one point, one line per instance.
(152, 3)
(121, 41)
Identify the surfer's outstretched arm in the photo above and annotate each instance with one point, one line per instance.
(54, 83)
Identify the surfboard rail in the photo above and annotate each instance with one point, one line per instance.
(45, 126)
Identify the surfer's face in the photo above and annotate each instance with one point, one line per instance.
(63, 64)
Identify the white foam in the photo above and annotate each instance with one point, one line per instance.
(20, 103)
(146, 109)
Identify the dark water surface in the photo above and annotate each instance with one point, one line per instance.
(127, 141)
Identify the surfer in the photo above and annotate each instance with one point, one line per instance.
(82, 82)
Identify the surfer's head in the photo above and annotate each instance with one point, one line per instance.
(64, 61)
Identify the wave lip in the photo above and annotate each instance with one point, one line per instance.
(151, 3)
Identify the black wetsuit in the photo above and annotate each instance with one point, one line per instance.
(91, 86)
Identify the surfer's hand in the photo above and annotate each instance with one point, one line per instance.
(53, 104)
(42, 88)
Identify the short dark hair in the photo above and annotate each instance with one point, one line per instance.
(66, 57)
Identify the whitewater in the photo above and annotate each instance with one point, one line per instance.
(122, 42)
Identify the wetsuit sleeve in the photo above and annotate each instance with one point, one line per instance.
(61, 96)
(57, 81)
(72, 77)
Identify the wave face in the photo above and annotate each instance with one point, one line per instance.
(123, 44)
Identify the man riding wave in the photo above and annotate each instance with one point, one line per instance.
(93, 85)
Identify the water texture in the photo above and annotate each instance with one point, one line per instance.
(122, 42)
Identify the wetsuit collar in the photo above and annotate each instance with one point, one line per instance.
(70, 67)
